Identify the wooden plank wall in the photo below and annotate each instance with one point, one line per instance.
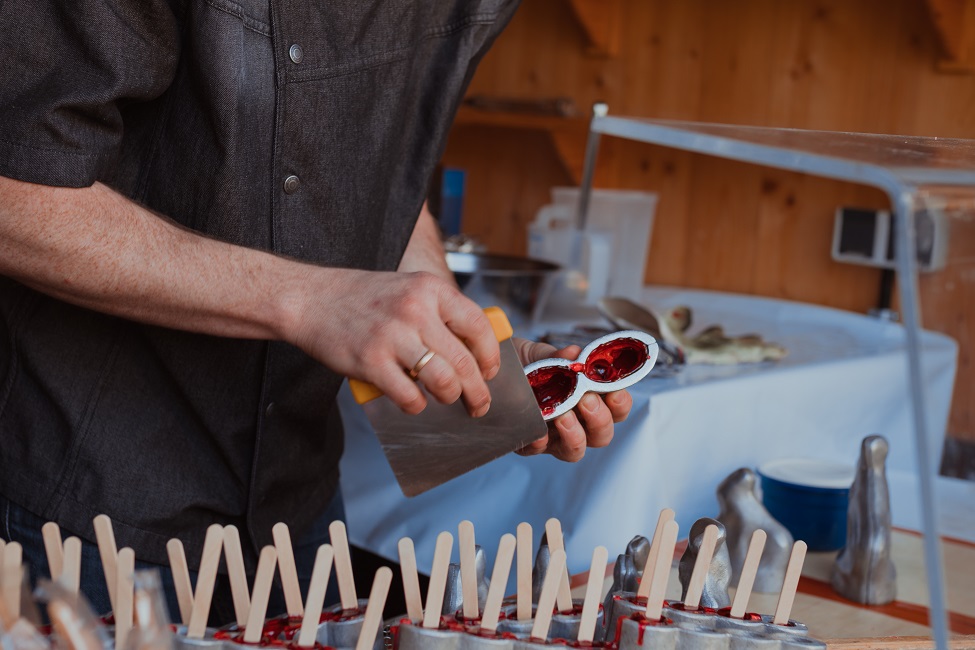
(844, 65)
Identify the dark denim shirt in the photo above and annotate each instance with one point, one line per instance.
(304, 127)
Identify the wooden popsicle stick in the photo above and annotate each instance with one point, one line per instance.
(748, 571)
(553, 533)
(548, 595)
(695, 588)
(661, 571)
(7, 619)
(71, 570)
(665, 515)
(594, 588)
(12, 577)
(206, 578)
(13, 556)
(468, 572)
(343, 565)
(316, 596)
(64, 622)
(181, 579)
(53, 548)
(524, 572)
(644, 589)
(239, 591)
(108, 552)
(261, 594)
(373, 617)
(287, 569)
(124, 595)
(438, 580)
(788, 594)
(499, 582)
(411, 580)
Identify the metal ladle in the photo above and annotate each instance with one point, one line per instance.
(626, 314)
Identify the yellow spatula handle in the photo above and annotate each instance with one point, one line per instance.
(364, 391)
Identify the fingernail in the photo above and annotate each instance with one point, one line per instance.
(482, 411)
(566, 423)
(491, 372)
(590, 403)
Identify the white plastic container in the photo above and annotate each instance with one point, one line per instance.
(612, 252)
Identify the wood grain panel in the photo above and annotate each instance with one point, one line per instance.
(510, 173)
(868, 65)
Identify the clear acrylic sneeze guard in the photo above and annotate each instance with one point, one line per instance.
(919, 175)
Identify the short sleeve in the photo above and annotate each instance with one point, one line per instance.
(68, 68)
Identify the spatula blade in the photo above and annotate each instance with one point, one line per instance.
(444, 441)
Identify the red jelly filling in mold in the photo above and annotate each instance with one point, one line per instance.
(615, 360)
(552, 386)
(749, 616)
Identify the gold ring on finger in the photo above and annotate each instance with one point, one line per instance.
(424, 360)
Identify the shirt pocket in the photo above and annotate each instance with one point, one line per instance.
(347, 36)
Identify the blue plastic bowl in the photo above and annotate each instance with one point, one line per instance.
(810, 498)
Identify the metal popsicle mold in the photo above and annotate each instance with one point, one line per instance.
(864, 571)
(566, 626)
(715, 593)
(802, 643)
(742, 639)
(742, 513)
(584, 384)
(682, 618)
(728, 624)
(182, 642)
(792, 628)
(511, 625)
(702, 638)
(622, 605)
(344, 632)
(475, 641)
(415, 637)
(637, 632)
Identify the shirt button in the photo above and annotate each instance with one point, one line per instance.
(291, 184)
(296, 53)
(269, 411)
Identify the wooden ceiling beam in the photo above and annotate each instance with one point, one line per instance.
(954, 21)
(601, 20)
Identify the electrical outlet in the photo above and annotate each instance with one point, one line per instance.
(866, 237)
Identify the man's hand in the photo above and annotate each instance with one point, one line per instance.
(589, 424)
(378, 325)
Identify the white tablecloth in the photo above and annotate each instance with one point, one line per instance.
(845, 377)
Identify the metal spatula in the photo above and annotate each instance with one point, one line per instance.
(444, 441)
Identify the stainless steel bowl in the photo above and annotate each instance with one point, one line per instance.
(519, 285)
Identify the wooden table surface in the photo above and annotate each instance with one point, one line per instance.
(901, 625)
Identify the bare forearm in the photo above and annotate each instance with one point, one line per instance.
(95, 248)
(425, 250)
